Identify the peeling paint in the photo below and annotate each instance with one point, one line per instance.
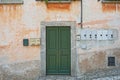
(96, 61)
(23, 21)
(58, 6)
(108, 7)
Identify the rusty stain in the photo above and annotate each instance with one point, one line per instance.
(96, 22)
(9, 13)
(85, 65)
(91, 63)
(2, 47)
(100, 58)
(108, 7)
(118, 7)
(58, 6)
(16, 19)
(26, 31)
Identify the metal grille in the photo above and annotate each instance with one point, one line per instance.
(111, 61)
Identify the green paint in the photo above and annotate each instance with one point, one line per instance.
(25, 42)
(58, 57)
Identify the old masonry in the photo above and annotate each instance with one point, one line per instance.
(59, 40)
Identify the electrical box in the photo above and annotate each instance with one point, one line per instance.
(99, 34)
(25, 42)
(105, 35)
(88, 35)
(94, 35)
(110, 35)
(78, 37)
(83, 34)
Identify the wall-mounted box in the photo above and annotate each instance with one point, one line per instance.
(105, 34)
(25, 42)
(88, 35)
(110, 35)
(11, 1)
(78, 37)
(83, 34)
(99, 34)
(34, 41)
(94, 35)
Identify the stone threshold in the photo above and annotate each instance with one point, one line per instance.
(58, 77)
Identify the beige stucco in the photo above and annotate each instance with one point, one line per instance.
(23, 21)
(19, 21)
(97, 15)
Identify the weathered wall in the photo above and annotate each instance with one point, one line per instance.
(97, 15)
(23, 21)
(19, 21)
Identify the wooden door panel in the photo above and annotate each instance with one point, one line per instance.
(58, 50)
(64, 50)
(52, 50)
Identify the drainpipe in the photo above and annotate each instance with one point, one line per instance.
(81, 14)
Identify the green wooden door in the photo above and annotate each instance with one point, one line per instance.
(58, 57)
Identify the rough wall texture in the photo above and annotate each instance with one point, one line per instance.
(100, 16)
(29, 70)
(23, 21)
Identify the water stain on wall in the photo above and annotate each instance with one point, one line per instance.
(96, 22)
(95, 62)
(10, 14)
(118, 7)
(108, 7)
(58, 6)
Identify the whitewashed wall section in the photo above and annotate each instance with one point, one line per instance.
(88, 38)
(102, 34)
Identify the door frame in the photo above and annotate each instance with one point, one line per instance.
(43, 45)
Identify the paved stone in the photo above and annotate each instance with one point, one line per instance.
(73, 78)
(57, 78)
(49, 79)
(60, 79)
(109, 78)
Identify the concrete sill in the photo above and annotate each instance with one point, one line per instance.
(111, 2)
(12, 2)
(59, 1)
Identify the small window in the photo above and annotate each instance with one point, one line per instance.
(11, 1)
(111, 61)
(113, 1)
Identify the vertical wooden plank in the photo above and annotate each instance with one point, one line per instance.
(52, 50)
(58, 50)
(64, 50)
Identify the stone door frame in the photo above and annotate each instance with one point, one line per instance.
(72, 25)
